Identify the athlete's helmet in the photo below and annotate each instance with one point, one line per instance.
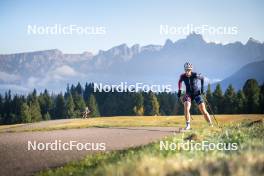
(188, 66)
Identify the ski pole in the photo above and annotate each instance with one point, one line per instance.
(209, 106)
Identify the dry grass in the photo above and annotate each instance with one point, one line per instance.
(149, 160)
(125, 121)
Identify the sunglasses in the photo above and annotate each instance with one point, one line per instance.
(188, 70)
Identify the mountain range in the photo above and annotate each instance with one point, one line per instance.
(151, 64)
(252, 70)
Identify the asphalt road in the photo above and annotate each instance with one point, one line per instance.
(17, 159)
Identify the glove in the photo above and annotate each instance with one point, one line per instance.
(179, 94)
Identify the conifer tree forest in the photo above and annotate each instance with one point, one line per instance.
(37, 106)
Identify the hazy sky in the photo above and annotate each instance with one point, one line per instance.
(134, 21)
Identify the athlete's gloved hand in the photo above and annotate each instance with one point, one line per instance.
(179, 94)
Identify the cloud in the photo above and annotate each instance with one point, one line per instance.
(211, 80)
(53, 77)
(14, 87)
(6, 77)
(64, 70)
(32, 81)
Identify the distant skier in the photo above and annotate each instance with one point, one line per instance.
(193, 92)
(85, 113)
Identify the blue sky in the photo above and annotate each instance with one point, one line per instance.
(131, 22)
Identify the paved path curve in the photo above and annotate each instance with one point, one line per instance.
(16, 159)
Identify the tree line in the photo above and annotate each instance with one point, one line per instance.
(45, 106)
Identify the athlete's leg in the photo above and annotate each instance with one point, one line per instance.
(204, 112)
(187, 107)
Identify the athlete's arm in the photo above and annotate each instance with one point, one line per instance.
(179, 86)
(180, 83)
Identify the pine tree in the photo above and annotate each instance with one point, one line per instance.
(252, 92)
(25, 113)
(240, 101)
(209, 95)
(7, 108)
(70, 106)
(229, 100)
(218, 99)
(125, 102)
(173, 102)
(34, 107)
(16, 109)
(68, 91)
(179, 107)
(92, 104)
(46, 116)
(88, 90)
(79, 104)
(261, 99)
(155, 105)
(110, 105)
(45, 103)
(168, 103)
(60, 107)
(1, 109)
(139, 104)
(73, 90)
(79, 89)
(152, 104)
(35, 110)
(52, 111)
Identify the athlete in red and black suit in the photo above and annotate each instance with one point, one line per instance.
(193, 92)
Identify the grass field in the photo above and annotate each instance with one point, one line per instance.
(246, 131)
(124, 121)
